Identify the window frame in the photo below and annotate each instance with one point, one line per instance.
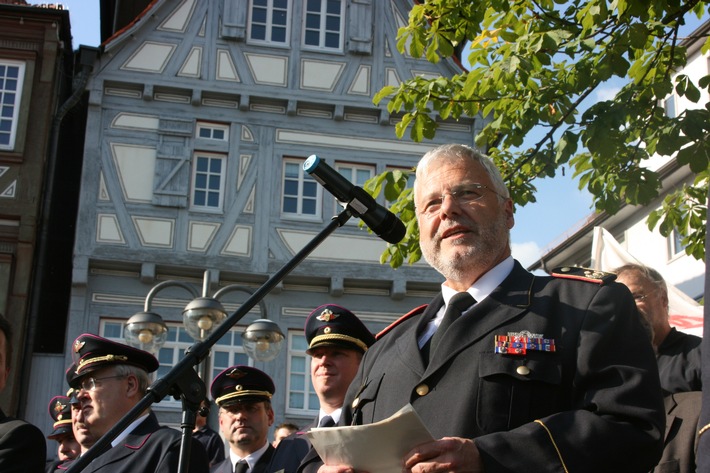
(193, 181)
(302, 179)
(675, 246)
(15, 118)
(322, 27)
(269, 25)
(213, 127)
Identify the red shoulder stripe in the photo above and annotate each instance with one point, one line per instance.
(415, 311)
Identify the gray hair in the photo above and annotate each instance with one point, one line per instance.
(647, 273)
(466, 153)
(140, 374)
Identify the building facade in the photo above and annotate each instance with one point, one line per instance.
(200, 116)
(41, 131)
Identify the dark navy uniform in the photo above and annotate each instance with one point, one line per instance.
(578, 391)
(679, 362)
(22, 446)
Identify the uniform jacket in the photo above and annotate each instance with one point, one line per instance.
(679, 362)
(260, 467)
(23, 448)
(680, 441)
(149, 448)
(213, 443)
(592, 405)
(290, 451)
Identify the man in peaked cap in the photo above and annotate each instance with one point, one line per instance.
(67, 447)
(110, 378)
(337, 340)
(243, 395)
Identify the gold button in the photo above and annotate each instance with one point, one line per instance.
(523, 370)
(327, 330)
(422, 389)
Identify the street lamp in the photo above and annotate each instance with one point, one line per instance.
(202, 315)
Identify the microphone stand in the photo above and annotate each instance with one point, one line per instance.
(182, 381)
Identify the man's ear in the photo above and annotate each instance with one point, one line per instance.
(132, 384)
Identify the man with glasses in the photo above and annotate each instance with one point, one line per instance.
(677, 353)
(679, 366)
(109, 379)
(243, 395)
(509, 371)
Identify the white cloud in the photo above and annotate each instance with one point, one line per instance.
(607, 93)
(527, 253)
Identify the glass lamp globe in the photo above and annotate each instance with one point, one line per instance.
(201, 316)
(262, 340)
(147, 331)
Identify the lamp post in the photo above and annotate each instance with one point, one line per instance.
(202, 315)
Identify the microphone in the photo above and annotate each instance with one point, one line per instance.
(380, 220)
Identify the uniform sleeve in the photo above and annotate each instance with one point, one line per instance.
(22, 448)
(616, 419)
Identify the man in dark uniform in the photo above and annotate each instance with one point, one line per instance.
(531, 373)
(677, 353)
(243, 395)
(679, 366)
(67, 447)
(110, 378)
(337, 339)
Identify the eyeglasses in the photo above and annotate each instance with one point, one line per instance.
(639, 297)
(89, 384)
(463, 196)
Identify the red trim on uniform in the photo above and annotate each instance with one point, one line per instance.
(578, 278)
(415, 311)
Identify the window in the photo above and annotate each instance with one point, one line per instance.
(323, 24)
(228, 351)
(301, 398)
(357, 174)
(669, 106)
(676, 243)
(269, 21)
(208, 181)
(212, 131)
(301, 193)
(11, 76)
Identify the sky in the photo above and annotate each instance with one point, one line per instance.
(561, 208)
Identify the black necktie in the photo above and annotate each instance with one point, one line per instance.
(241, 467)
(326, 421)
(457, 304)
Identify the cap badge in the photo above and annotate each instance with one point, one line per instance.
(327, 315)
(59, 407)
(78, 345)
(235, 374)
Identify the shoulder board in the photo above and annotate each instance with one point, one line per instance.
(584, 274)
(415, 311)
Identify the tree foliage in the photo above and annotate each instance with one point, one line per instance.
(535, 64)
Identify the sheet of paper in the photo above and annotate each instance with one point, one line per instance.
(376, 448)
